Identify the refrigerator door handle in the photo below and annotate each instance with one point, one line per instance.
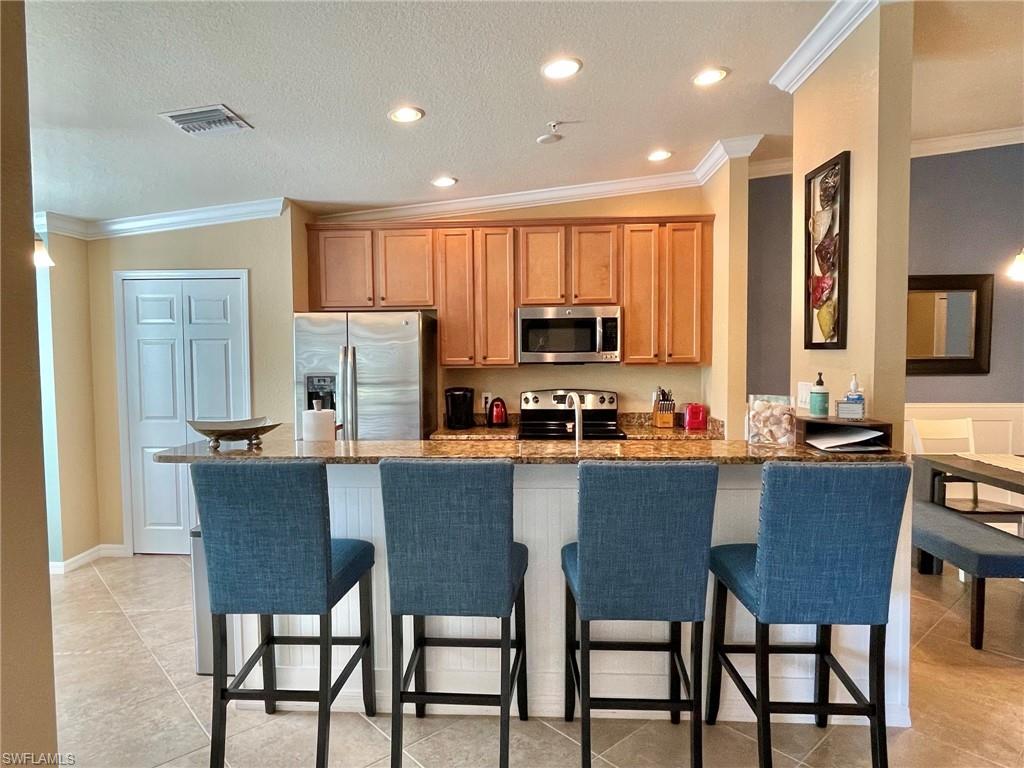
(351, 410)
(341, 399)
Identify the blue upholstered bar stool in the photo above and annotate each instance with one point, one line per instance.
(826, 543)
(448, 525)
(267, 537)
(644, 533)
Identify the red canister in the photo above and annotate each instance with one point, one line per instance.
(695, 416)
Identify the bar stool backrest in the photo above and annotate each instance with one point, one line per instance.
(448, 525)
(266, 534)
(943, 435)
(645, 539)
(826, 541)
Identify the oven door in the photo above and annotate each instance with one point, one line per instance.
(567, 334)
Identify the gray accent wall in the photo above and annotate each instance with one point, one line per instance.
(966, 217)
(769, 265)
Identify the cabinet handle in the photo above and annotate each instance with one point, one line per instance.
(670, 354)
(485, 357)
(382, 298)
(470, 357)
(369, 298)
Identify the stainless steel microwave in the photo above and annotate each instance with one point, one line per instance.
(569, 334)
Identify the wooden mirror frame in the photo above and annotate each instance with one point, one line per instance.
(979, 363)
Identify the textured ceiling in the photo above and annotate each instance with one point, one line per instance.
(968, 67)
(317, 80)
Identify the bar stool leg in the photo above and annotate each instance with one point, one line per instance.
(396, 692)
(323, 721)
(764, 723)
(521, 689)
(696, 681)
(977, 612)
(714, 662)
(420, 675)
(366, 631)
(506, 689)
(570, 651)
(822, 672)
(675, 639)
(585, 692)
(220, 682)
(269, 669)
(876, 693)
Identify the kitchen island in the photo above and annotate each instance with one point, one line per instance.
(545, 494)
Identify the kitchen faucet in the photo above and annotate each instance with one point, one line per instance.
(577, 407)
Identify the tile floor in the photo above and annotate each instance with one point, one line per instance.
(127, 696)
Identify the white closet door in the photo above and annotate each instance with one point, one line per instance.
(186, 357)
(155, 378)
(216, 359)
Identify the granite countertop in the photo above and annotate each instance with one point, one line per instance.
(476, 433)
(521, 452)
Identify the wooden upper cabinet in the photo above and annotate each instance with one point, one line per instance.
(405, 267)
(641, 331)
(456, 313)
(682, 285)
(495, 296)
(345, 270)
(542, 265)
(595, 264)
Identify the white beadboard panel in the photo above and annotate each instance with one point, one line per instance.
(998, 428)
(545, 500)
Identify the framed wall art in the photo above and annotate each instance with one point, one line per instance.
(826, 245)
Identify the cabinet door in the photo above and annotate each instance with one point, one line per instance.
(345, 269)
(495, 296)
(640, 315)
(455, 310)
(542, 265)
(595, 264)
(682, 293)
(405, 267)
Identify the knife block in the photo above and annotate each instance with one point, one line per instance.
(663, 419)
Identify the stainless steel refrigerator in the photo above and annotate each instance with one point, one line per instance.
(376, 370)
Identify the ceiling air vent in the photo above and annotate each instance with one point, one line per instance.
(206, 120)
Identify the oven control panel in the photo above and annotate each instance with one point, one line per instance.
(590, 399)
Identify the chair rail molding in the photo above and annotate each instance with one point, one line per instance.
(57, 223)
(839, 21)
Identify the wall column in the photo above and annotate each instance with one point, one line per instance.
(27, 712)
(859, 100)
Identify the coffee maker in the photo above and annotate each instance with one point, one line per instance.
(458, 407)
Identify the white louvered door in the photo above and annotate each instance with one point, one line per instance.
(185, 358)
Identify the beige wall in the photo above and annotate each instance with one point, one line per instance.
(670, 202)
(859, 99)
(299, 217)
(725, 381)
(73, 395)
(27, 718)
(634, 383)
(264, 248)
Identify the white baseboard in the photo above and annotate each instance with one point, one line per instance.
(84, 558)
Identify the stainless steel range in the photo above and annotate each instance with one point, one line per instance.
(548, 414)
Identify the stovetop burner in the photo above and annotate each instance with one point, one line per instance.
(544, 415)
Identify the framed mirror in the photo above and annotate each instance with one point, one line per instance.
(949, 324)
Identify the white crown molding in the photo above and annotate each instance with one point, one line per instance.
(965, 142)
(943, 145)
(721, 151)
(839, 21)
(49, 222)
(761, 169)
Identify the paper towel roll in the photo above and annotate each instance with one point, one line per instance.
(318, 426)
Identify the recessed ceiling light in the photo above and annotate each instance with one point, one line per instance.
(561, 69)
(445, 181)
(710, 76)
(406, 114)
(658, 155)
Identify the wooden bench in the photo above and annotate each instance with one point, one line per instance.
(978, 549)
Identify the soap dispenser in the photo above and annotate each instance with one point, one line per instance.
(819, 399)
